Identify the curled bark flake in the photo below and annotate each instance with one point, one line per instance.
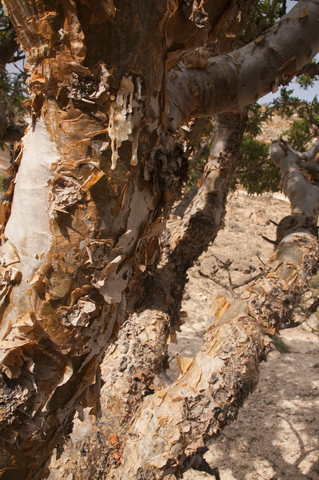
(98, 251)
(5, 210)
(66, 191)
(110, 281)
(9, 276)
(81, 315)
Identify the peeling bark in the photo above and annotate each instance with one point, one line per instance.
(231, 81)
(66, 265)
(172, 426)
(133, 368)
(175, 423)
(97, 175)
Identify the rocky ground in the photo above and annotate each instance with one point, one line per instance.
(276, 435)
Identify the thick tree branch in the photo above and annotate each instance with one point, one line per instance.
(309, 154)
(249, 73)
(304, 197)
(132, 364)
(83, 236)
(174, 424)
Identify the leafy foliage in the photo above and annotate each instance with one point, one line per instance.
(306, 124)
(263, 15)
(13, 87)
(257, 114)
(12, 83)
(305, 81)
(255, 171)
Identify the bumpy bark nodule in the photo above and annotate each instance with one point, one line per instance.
(99, 169)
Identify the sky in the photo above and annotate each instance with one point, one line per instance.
(298, 92)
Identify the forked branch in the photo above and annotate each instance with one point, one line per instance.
(173, 424)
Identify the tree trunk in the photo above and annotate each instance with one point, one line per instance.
(98, 173)
(172, 426)
(135, 363)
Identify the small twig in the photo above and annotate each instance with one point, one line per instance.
(271, 221)
(250, 279)
(252, 169)
(260, 259)
(21, 56)
(232, 286)
(18, 68)
(226, 264)
(226, 287)
(230, 280)
(273, 242)
(313, 307)
(174, 357)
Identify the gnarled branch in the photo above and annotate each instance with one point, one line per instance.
(240, 78)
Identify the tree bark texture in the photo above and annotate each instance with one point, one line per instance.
(132, 368)
(98, 172)
(175, 423)
(83, 213)
(169, 436)
(233, 80)
(215, 383)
